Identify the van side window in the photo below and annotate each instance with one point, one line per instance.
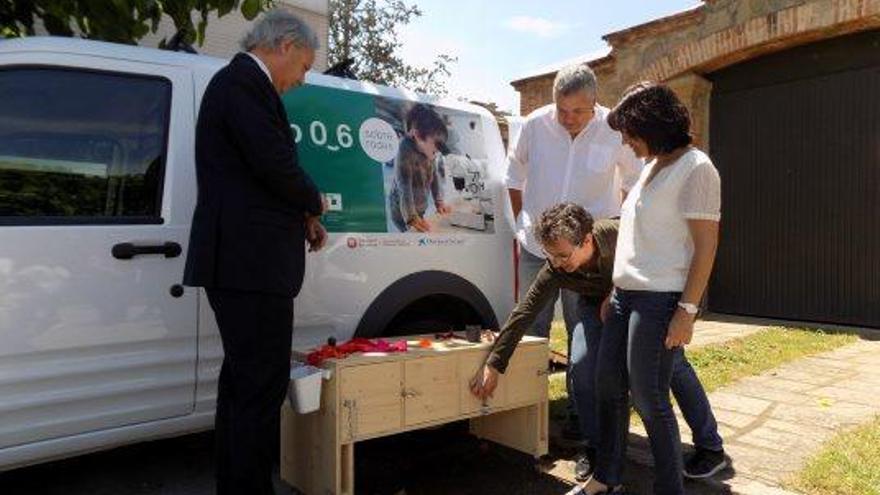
(81, 147)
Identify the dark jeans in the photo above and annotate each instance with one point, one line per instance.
(583, 351)
(632, 351)
(583, 345)
(693, 403)
(256, 330)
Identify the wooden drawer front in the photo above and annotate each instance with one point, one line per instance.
(370, 400)
(468, 365)
(526, 375)
(430, 389)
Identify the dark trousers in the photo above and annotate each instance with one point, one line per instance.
(694, 404)
(632, 352)
(256, 330)
(583, 352)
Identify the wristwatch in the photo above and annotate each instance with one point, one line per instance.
(689, 308)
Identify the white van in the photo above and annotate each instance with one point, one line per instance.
(100, 345)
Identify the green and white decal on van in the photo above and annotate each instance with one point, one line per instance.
(349, 143)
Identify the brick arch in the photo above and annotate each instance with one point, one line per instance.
(765, 34)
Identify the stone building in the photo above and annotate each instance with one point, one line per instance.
(785, 96)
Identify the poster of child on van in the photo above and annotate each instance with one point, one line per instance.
(419, 198)
(388, 165)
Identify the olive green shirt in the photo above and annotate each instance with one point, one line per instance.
(594, 282)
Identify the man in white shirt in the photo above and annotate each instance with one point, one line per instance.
(567, 152)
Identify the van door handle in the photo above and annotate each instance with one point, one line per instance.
(128, 250)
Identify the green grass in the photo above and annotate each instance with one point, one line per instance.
(558, 341)
(722, 364)
(849, 464)
(718, 365)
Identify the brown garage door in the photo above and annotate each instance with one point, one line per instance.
(796, 138)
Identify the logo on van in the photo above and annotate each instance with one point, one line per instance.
(447, 241)
(351, 242)
(378, 139)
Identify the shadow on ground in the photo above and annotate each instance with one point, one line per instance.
(444, 460)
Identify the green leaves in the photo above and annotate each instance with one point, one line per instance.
(121, 21)
(250, 8)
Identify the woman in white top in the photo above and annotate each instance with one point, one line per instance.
(665, 250)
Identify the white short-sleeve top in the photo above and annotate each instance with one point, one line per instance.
(654, 245)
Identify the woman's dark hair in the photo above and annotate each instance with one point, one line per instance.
(426, 122)
(653, 113)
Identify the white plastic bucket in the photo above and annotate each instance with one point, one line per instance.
(304, 389)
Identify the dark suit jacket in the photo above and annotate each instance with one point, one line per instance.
(248, 229)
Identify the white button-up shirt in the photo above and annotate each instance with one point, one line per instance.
(550, 167)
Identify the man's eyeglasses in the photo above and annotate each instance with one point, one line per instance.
(556, 258)
(559, 259)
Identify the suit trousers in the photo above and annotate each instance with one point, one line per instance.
(256, 330)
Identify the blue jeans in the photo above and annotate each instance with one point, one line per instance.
(693, 403)
(583, 351)
(632, 351)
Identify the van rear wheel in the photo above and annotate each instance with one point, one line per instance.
(433, 314)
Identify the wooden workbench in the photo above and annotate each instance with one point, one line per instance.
(374, 395)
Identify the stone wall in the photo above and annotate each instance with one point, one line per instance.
(682, 48)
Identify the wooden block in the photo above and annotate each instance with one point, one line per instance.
(309, 445)
(375, 395)
(526, 376)
(370, 400)
(523, 429)
(431, 389)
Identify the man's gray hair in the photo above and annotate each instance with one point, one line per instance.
(276, 26)
(574, 78)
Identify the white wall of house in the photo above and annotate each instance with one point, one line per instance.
(223, 35)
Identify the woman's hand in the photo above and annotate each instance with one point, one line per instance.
(681, 329)
(605, 309)
(483, 384)
(442, 208)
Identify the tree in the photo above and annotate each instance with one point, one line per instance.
(364, 34)
(121, 21)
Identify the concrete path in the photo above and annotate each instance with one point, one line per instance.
(772, 423)
(717, 329)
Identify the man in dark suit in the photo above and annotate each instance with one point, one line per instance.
(256, 210)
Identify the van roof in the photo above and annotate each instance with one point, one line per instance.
(208, 64)
(79, 46)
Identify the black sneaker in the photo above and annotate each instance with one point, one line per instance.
(705, 463)
(585, 465)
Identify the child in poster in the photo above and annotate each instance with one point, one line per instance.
(416, 171)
